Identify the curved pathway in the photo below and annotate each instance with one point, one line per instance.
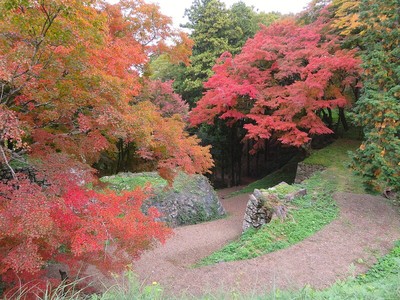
(366, 228)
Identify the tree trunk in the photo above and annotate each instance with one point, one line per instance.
(223, 167)
(248, 158)
(342, 117)
(232, 157)
(257, 160)
(239, 173)
(120, 150)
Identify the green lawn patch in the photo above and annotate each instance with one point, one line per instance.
(336, 159)
(335, 154)
(130, 181)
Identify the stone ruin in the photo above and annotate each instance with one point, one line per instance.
(263, 205)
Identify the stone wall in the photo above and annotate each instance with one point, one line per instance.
(264, 204)
(194, 202)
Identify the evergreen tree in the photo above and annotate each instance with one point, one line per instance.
(378, 110)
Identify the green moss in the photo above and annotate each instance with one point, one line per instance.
(186, 218)
(130, 181)
(281, 190)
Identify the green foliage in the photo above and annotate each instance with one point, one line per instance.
(211, 25)
(378, 110)
(387, 265)
(309, 215)
(161, 68)
(128, 287)
(215, 29)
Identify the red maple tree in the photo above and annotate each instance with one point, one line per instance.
(280, 84)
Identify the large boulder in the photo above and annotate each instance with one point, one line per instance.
(190, 200)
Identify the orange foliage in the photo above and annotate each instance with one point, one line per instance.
(69, 72)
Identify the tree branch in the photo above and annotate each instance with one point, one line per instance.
(7, 164)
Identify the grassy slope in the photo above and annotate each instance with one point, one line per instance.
(335, 157)
(312, 212)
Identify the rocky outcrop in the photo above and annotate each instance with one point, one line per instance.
(305, 171)
(191, 199)
(194, 201)
(264, 204)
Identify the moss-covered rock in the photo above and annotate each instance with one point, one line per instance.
(190, 200)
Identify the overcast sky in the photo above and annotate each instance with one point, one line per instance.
(176, 8)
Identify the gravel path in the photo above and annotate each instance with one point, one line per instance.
(366, 228)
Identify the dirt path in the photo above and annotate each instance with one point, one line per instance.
(366, 229)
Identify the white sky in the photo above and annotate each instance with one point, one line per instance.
(176, 8)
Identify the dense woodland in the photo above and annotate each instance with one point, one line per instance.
(89, 88)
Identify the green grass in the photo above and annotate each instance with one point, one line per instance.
(130, 181)
(336, 159)
(334, 155)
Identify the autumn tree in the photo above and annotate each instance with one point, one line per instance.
(378, 110)
(284, 84)
(163, 96)
(69, 73)
(214, 30)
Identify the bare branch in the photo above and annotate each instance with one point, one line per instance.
(7, 164)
